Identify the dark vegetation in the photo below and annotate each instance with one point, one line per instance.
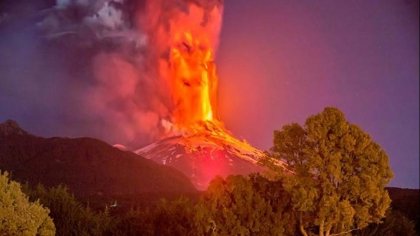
(71, 217)
(406, 201)
(337, 187)
(237, 205)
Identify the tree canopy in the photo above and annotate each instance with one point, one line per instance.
(252, 205)
(340, 173)
(71, 217)
(19, 216)
(395, 223)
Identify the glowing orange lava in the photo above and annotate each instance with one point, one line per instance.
(193, 80)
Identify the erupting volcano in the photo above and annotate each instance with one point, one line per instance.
(194, 139)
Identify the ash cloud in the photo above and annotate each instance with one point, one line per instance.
(89, 67)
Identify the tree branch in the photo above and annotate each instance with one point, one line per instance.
(345, 232)
(301, 228)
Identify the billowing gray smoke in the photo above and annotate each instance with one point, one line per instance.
(91, 67)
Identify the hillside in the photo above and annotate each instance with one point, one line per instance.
(89, 167)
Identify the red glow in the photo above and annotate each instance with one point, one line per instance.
(211, 163)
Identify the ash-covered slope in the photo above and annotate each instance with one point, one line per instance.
(87, 166)
(205, 151)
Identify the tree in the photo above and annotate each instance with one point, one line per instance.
(181, 216)
(19, 216)
(340, 173)
(253, 205)
(395, 223)
(70, 216)
(176, 217)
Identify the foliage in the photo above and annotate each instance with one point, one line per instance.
(19, 216)
(395, 223)
(133, 222)
(70, 216)
(177, 217)
(248, 206)
(167, 218)
(406, 201)
(237, 205)
(339, 173)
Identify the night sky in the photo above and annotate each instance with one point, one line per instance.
(282, 61)
(279, 62)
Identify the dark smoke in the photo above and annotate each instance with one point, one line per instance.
(87, 67)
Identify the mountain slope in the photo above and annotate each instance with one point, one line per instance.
(87, 166)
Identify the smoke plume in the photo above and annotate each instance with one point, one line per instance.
(96, 67)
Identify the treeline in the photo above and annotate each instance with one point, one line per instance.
(237, 205)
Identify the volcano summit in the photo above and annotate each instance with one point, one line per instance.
(205, 151)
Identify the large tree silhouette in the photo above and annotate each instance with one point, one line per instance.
(339, 174)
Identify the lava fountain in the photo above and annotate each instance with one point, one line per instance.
(185, 36)
(193, 80)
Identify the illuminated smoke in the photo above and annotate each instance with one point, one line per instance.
(104, 64)
(134, 87)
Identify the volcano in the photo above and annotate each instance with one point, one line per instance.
(195, 140)
(205, 151)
